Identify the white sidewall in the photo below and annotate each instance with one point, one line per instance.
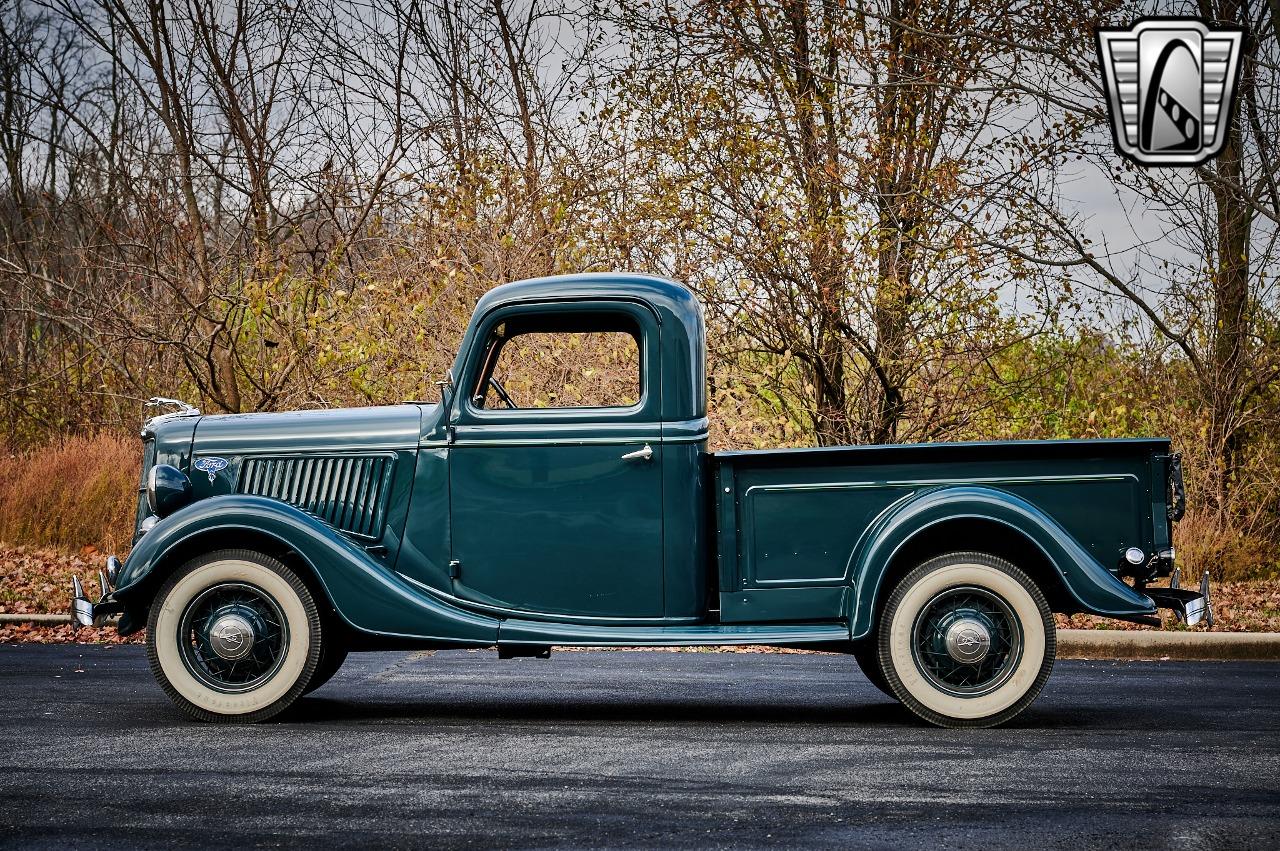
(1033, 641)
(169, 655)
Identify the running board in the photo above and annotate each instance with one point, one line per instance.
(516, 631)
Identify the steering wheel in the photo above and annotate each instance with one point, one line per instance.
(502, 393)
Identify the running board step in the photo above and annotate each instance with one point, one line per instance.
(516, 631)
(524, 651)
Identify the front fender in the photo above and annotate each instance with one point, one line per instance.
(1093, 587)
(370, 597)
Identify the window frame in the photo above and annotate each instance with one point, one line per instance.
(483, 356)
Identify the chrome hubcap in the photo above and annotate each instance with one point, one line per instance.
(968, 641)
(231, 637)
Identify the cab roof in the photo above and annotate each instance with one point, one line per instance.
(679, 314)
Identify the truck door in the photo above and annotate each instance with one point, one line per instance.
(555, 473)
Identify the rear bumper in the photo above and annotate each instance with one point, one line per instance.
(1191, 607)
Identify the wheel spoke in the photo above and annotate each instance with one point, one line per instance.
(243, 608)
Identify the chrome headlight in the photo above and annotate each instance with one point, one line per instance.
(111, 572)
(168, 489)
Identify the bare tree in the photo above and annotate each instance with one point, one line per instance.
(837, 169)
(1203, 284)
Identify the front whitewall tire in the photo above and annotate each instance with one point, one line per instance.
(296, 660)
(1018, 681)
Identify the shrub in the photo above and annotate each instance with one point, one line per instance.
(75, 492)
(1206, 540)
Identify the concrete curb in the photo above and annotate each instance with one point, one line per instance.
(42, 620)
(1153, 644)
(1072, 643)
(46, 620)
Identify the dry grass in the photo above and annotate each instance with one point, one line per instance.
(80, 491)
(1208, 541)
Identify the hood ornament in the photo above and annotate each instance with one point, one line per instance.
(183, 410)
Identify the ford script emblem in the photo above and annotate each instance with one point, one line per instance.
(971, 640)
(212, 466)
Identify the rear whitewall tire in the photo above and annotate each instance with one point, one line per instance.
(1009, 693)
(299, 654)
(868, 659)
(331, 660)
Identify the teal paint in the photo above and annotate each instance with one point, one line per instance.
(425, 554)
(1094, 588)
(370, 597)
(528, 526)
(558, 529)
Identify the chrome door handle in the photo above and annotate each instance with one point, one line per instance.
(640, 454)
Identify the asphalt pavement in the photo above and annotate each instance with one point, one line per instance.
(648, 749)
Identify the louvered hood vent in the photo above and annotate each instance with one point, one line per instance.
(347, 491)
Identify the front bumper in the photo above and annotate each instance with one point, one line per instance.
(85, 612)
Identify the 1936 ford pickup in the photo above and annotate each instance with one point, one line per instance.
(269, 545)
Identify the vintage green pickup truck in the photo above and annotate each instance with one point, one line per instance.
(269, 545)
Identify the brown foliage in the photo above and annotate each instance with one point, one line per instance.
(1237, 607)
(78, 492)
(38, 581)
(543, 370)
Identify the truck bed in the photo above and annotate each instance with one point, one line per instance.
(790, 523)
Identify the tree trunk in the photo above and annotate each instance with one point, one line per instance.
(819, 166)
(1229, 337)
(896, 156)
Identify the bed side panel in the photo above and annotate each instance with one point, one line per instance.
(789, 521)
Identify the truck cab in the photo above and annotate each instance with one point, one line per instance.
(601, 500)
(543, 502)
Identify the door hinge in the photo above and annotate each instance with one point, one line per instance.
(455, 569)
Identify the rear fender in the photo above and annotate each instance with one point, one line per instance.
(368, 596)
(1093, 587)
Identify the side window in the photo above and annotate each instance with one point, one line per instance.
(573, 361)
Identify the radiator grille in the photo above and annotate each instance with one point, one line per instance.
(148, 461)
(347, 491)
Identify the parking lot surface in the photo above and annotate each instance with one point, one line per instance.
(628, 748)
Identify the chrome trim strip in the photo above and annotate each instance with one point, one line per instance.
(684, 438)
(569, 441)
(977, 480)
(334, 449)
